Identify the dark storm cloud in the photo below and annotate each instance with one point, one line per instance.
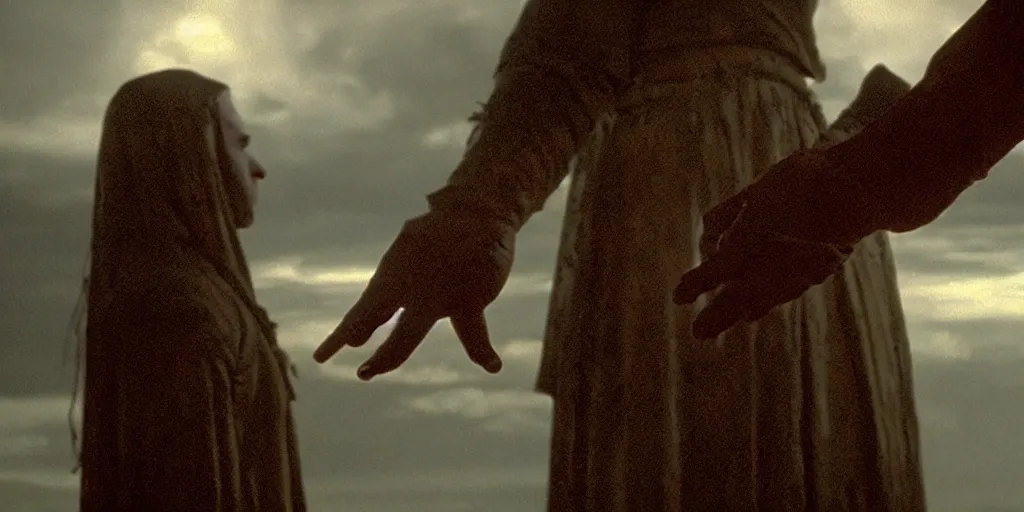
(43, 246)
(958, 253)
(27, 498)
(50, 51)
(265, 104)
(346, 202)
(936, 264)
(373, 430)
(358, 190)
(970, 416)
(337, 201)
(843, 82)
(437, 64)
(992, 204)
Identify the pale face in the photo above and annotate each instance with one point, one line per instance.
(241, 171)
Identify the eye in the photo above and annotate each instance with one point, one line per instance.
(244, 141)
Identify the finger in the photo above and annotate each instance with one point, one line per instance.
(409, 332)
(726, 309)
(472, 332)
(370, 312)
(706, 277)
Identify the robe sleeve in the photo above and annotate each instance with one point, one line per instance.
(562, 68)
(963, 117)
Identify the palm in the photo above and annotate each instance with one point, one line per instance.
(439, 266)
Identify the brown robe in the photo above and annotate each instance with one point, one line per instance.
(810, 408)
(187, 398)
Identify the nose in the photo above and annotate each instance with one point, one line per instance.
(257, 171)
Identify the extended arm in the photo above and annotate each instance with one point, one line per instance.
(562, 68)
(964, 116)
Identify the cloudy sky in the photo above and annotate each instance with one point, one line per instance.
(357, 109)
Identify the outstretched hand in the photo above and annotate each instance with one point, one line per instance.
(763, 247)
(440, 266)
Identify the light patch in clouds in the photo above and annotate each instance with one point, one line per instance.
(213, 39)
(22, 445)
(56, 134)
(290, 271)
(898, 18)
(307, 334)
(48, 479)
(29, 413)
(304, 334)
(450, 136)
(952, 247)
(21, 418)
(504, 411)
(903, 35)
(195, 37)
(252, 48)
(527, 284)
(521, 351)
(968, 298)
(939, 344)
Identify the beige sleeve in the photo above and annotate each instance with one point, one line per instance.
(563, 67)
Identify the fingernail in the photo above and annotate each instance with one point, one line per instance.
(493, 366)
(364, 372)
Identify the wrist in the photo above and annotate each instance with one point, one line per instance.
(461, 228)
(467, 203)
(917, 159)
(815, 198)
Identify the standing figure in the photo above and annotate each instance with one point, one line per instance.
(187, 399)
(662, 109)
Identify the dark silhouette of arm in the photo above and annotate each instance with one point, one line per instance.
(963, 117)
(562, 68)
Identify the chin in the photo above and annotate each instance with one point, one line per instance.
(244, 221)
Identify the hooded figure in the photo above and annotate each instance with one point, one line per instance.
(187, 398)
